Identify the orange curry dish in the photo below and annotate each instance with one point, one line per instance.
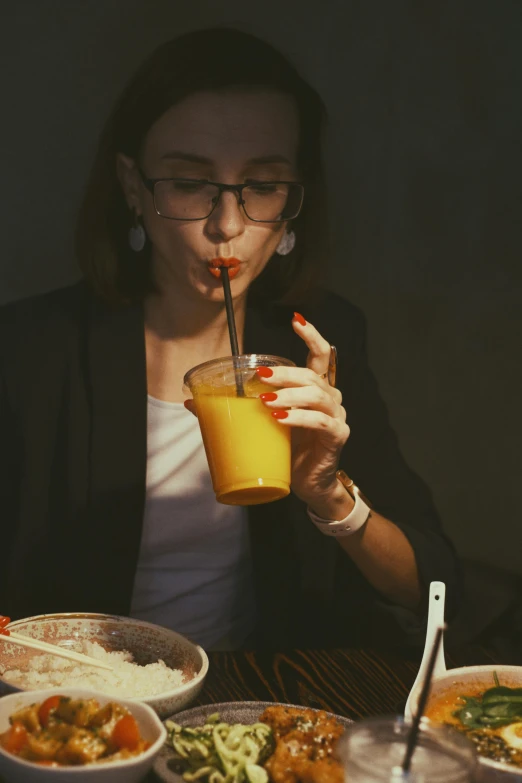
(62, 732)
(304, 746)
(491, 717)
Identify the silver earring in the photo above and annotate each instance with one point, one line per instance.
(286, 244)
(137, 236)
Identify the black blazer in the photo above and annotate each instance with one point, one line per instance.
(73, 406)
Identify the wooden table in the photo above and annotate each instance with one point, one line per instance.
(355, 683)
(351, 682)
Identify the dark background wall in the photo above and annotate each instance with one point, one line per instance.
(425, 165)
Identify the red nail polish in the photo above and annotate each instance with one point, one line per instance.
(268, 397)
(264, 372)
(280, 414)
(299, 318)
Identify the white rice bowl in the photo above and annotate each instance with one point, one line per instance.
(126, 680)
(151, 664)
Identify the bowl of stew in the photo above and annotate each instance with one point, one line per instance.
(76, 736)
(485, 703)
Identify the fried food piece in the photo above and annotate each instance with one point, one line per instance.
(28, 717)
(41, 747)
(77, 712)
(106, 719)
(323, 771)
(305, 742)
(82, 747)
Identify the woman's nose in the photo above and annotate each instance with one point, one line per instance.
(228, 219)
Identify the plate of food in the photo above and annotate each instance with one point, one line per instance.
(251, 742)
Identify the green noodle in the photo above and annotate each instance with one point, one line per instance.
(220, 752)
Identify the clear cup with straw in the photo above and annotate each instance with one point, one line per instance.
(248, 451)
(372, 751)
(396, 750)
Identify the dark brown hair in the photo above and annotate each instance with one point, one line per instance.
(203, 60)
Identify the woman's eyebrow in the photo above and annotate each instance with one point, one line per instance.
(268, 159)
(176, 155)
(191, 158)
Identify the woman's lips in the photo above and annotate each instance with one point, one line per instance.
(232, 264)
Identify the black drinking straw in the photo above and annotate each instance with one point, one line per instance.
(234, 347)
(425, 692)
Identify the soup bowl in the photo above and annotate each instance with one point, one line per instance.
(447, 684)
(469, 680)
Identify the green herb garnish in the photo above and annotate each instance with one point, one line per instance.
(499, 706)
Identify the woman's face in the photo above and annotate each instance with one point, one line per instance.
(230, 136)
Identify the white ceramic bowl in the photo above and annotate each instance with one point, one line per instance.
(489, 771)
(16, 770)
(147, 642)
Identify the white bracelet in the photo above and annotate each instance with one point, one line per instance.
(357, 517)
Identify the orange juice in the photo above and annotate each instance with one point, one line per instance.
(248, 451)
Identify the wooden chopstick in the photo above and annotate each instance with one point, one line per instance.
(52, 649)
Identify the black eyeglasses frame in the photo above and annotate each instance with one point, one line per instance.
(222, 187)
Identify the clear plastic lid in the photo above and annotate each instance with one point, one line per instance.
(224, 371)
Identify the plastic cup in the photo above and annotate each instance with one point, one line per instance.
(372, 750)
(248, 452)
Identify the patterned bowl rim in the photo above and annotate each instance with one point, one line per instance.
(179, 690)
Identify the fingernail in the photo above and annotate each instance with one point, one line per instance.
(280, 414)
(264, 372)
(299, 318)
(268, 397)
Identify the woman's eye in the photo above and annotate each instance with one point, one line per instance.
(263, 187)
(188, 186)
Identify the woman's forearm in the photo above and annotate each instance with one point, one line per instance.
(383, 554)
(379, 549)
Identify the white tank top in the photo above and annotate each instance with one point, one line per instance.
(194, 570)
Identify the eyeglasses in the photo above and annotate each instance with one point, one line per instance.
(195, 199)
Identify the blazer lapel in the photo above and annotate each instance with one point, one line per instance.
(269, 330)
(291, 558)
(118, 453)
(275, 563)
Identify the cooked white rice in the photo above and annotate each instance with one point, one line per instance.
(127, 679)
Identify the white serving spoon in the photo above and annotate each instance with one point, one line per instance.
(435, 621)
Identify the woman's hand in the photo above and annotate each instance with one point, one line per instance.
(314, 410)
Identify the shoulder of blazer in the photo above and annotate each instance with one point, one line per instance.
(340, 322)
(44, 322)
(269, 330)
(331, 311)
(324, 310)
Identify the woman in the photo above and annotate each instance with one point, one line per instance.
(105, 488)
